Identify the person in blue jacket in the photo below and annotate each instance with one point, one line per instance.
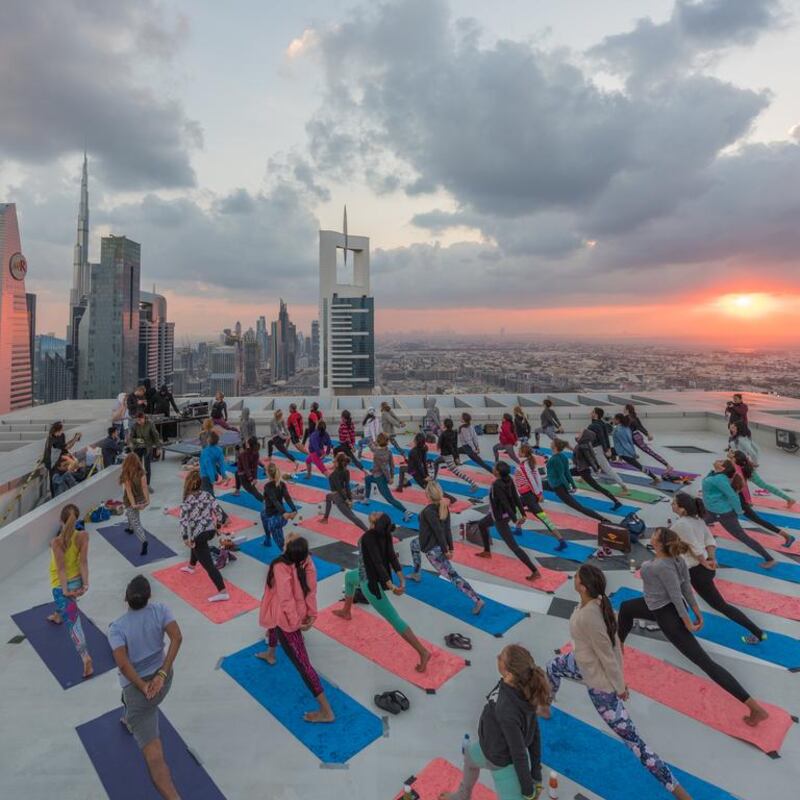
(212, 463)
(625, 447)
(724, 506)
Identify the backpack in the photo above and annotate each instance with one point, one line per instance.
(635, 525)
(472, 533)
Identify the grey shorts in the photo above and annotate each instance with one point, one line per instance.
(141, 714)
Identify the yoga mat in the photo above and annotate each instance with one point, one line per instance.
(255, 549)
(395, 514)
(495, 618)
(760, 501)
(657, 470)
(740, 594)
(782, 571)
(196, 589)
(508, 567)
(667, 487)
(701, 699)
(233, 525)
(770, 541)
(544, 543)
(373, 638)
(335, 528)
(342, 554)
(260, 474)
(633, 494)
(412, 494)
(780, 520)
(282, 692)
(602, 764)
(779, 649)
(301, 493)
(121, 767)
(54, 646)
(566, 521)
(603, 506)
(441, 776)
(244, 500)
(129, 546)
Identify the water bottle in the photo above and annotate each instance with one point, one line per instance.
(552, 786)
(633, 566)
(465, 744)
(408, 793)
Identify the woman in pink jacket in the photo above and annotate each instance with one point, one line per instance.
(289, 607)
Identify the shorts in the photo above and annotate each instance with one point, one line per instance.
(141, 714)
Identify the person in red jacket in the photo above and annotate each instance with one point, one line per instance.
(289, 607)
(347, 439)
(508, 438)
(295, 425)
(314, 416)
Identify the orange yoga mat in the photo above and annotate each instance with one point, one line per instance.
(233, 525)
(701, 699)
(441, 776)
(508, 567)
(196, 589)
(769, 540)
(372, 637)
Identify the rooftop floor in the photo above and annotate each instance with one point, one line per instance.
(248, 753)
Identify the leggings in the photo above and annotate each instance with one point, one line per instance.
(135, 524)
(548, 430)
(335, 499)
(505, 779)
(422, 482)
(473, 456)
(316, 460)
(273, 528)
(393, 441)
(379, 602)
(606, 468)
(279, 444)
(383, 487)
(640, 441)
(67, 608)
(636, 464)
(439, 561)
(294, 646)
(201, 553)
(753, 516)
(532, 504)
(243, 482)
(702, 580)
(223, 423)
(565, 497)
(762, 484)
(345, 448)
(145, 456)
(508, 449)
(504, 529)
(730, 522)
(673, 628)
(586, 475)
(613, 712)
(449, 463)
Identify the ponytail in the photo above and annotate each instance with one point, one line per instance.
(435, 494)
(594, 581)
(529, 678)
(274, 473)
(69, 516)
(671, 543)
(691, 506)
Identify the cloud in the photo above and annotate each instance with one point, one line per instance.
(70, 81)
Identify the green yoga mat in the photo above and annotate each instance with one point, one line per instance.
(633, 494)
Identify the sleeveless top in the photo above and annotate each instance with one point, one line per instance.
(72, 562)
(138, 495)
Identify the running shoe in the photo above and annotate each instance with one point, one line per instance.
(790, 541)
(751, 638)
(408, 516)
(562, 544)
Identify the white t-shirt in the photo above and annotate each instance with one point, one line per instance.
(696, 534)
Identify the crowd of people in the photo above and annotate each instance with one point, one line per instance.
(145, 641)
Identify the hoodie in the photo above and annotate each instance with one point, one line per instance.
(372, 427)
(432, 423)
(382, 463)
(583, 456)
(247, 426)
(389, 422)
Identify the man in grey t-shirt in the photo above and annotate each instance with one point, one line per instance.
(145, 673)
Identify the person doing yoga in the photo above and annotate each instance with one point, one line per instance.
(750, 472)
(247, 462)
(585, 463)
(550, 424)
(295, 424)
(468, 444)
(347, 439)
(279, 438)
(667, 597)
(448, 455)
(522, 427)
(376, 561)
(417, 467)
(274, 516)
(531, 492)
(381, 475)
(507, 439)
(288, 608)
(641, 437)
(602, 447)
(596, 661)
(436, 541)
(560, 481)
(340, 494)
(625, 446)
(509, 742)
(319, 446)
(701, 559)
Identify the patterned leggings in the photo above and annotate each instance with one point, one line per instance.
(442, 565)
(295, 647)
(613, 712)
(273, 528)
(449, 463)
(135, 523)
(535, 507)
(67, 608)
(641, 442)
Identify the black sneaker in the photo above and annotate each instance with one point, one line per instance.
(143, 551)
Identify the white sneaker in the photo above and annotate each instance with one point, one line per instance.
(219, 598)
(188, 570)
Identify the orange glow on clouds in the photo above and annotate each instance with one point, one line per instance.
(748, 306)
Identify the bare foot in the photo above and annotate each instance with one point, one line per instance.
(478, 607)
(342, 614)
(267, 656)
(755, 716)
(534, 576)
(544, 712)
(414, 576)
(318, 716)
(768, 564)
(483, 554)
(790, 503)
(88, 668)
(55, 618)
(323, 520)
(447, 795)
(423, 661)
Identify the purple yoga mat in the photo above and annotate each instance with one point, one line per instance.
(657, 470)
(121, 767)
(129, 546)
(54, 645)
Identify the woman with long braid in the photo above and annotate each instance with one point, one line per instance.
(596, 661)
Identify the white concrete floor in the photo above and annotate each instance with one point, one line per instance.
(249, 754)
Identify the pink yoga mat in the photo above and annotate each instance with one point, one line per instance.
(508, 567)
(306, 494)
(478, 475)
(769, 540)
(441, 776)
(196, 589)
(418, 497)
(335, 528)
(739, 594)
(375, 639)
(233, 525)
(773, 502)
(701, 699)
(569, 522)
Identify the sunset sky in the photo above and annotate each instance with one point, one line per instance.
(555, 167)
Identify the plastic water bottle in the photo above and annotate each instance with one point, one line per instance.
(408, 793)
(465, 744)
(633, 566)
(552, 786)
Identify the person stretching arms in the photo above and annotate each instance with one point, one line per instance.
(752, 475)
(529, 486)
(584, 461)
(739, 484)
(340, 494)
(626, 448)
(448, 454)
(508, 438)
(381, 475)
(641, 437)
(602, 448)
(550, 423)
(389, 424)
(560, 481)
(279, 438)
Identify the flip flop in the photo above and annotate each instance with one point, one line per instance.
(400, 699)
(386, 702)
(458, 642)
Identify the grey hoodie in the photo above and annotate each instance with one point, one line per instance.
(432, 421)
(247, 426)
(388, 422)
(583, 456)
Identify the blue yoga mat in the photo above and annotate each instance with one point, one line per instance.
(282, 692)
(245, 500)
(129, 546)
(602, 763)
(777, 649)
(255, 549)
(604, 506)
(783, 570)
(780, 520)
(122, 769)
(54, 646)
(260, 475)
(394, 513)
(495, 618)
(544, 543)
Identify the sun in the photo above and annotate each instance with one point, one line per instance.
(746, 306)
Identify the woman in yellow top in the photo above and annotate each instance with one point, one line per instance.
(69, 579)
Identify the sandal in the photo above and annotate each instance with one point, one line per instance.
(458, 642)
(386, 702)
(400, 699)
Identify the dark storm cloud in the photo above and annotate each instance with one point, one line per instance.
(69, 81)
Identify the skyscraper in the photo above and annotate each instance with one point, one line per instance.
(250, 355)
(262, 338)
(52, 377)
(156, 340)
(108, 335)
(30, 305)
(315, 343)
(223, 375)
(284, 343)
(346, 316)
(15, 354)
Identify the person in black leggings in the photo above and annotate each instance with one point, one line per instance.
(506, 508)
(667, 593)
(417, 467)
(468, 444)
(584, 461)
(702, 561)
(560, 481)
